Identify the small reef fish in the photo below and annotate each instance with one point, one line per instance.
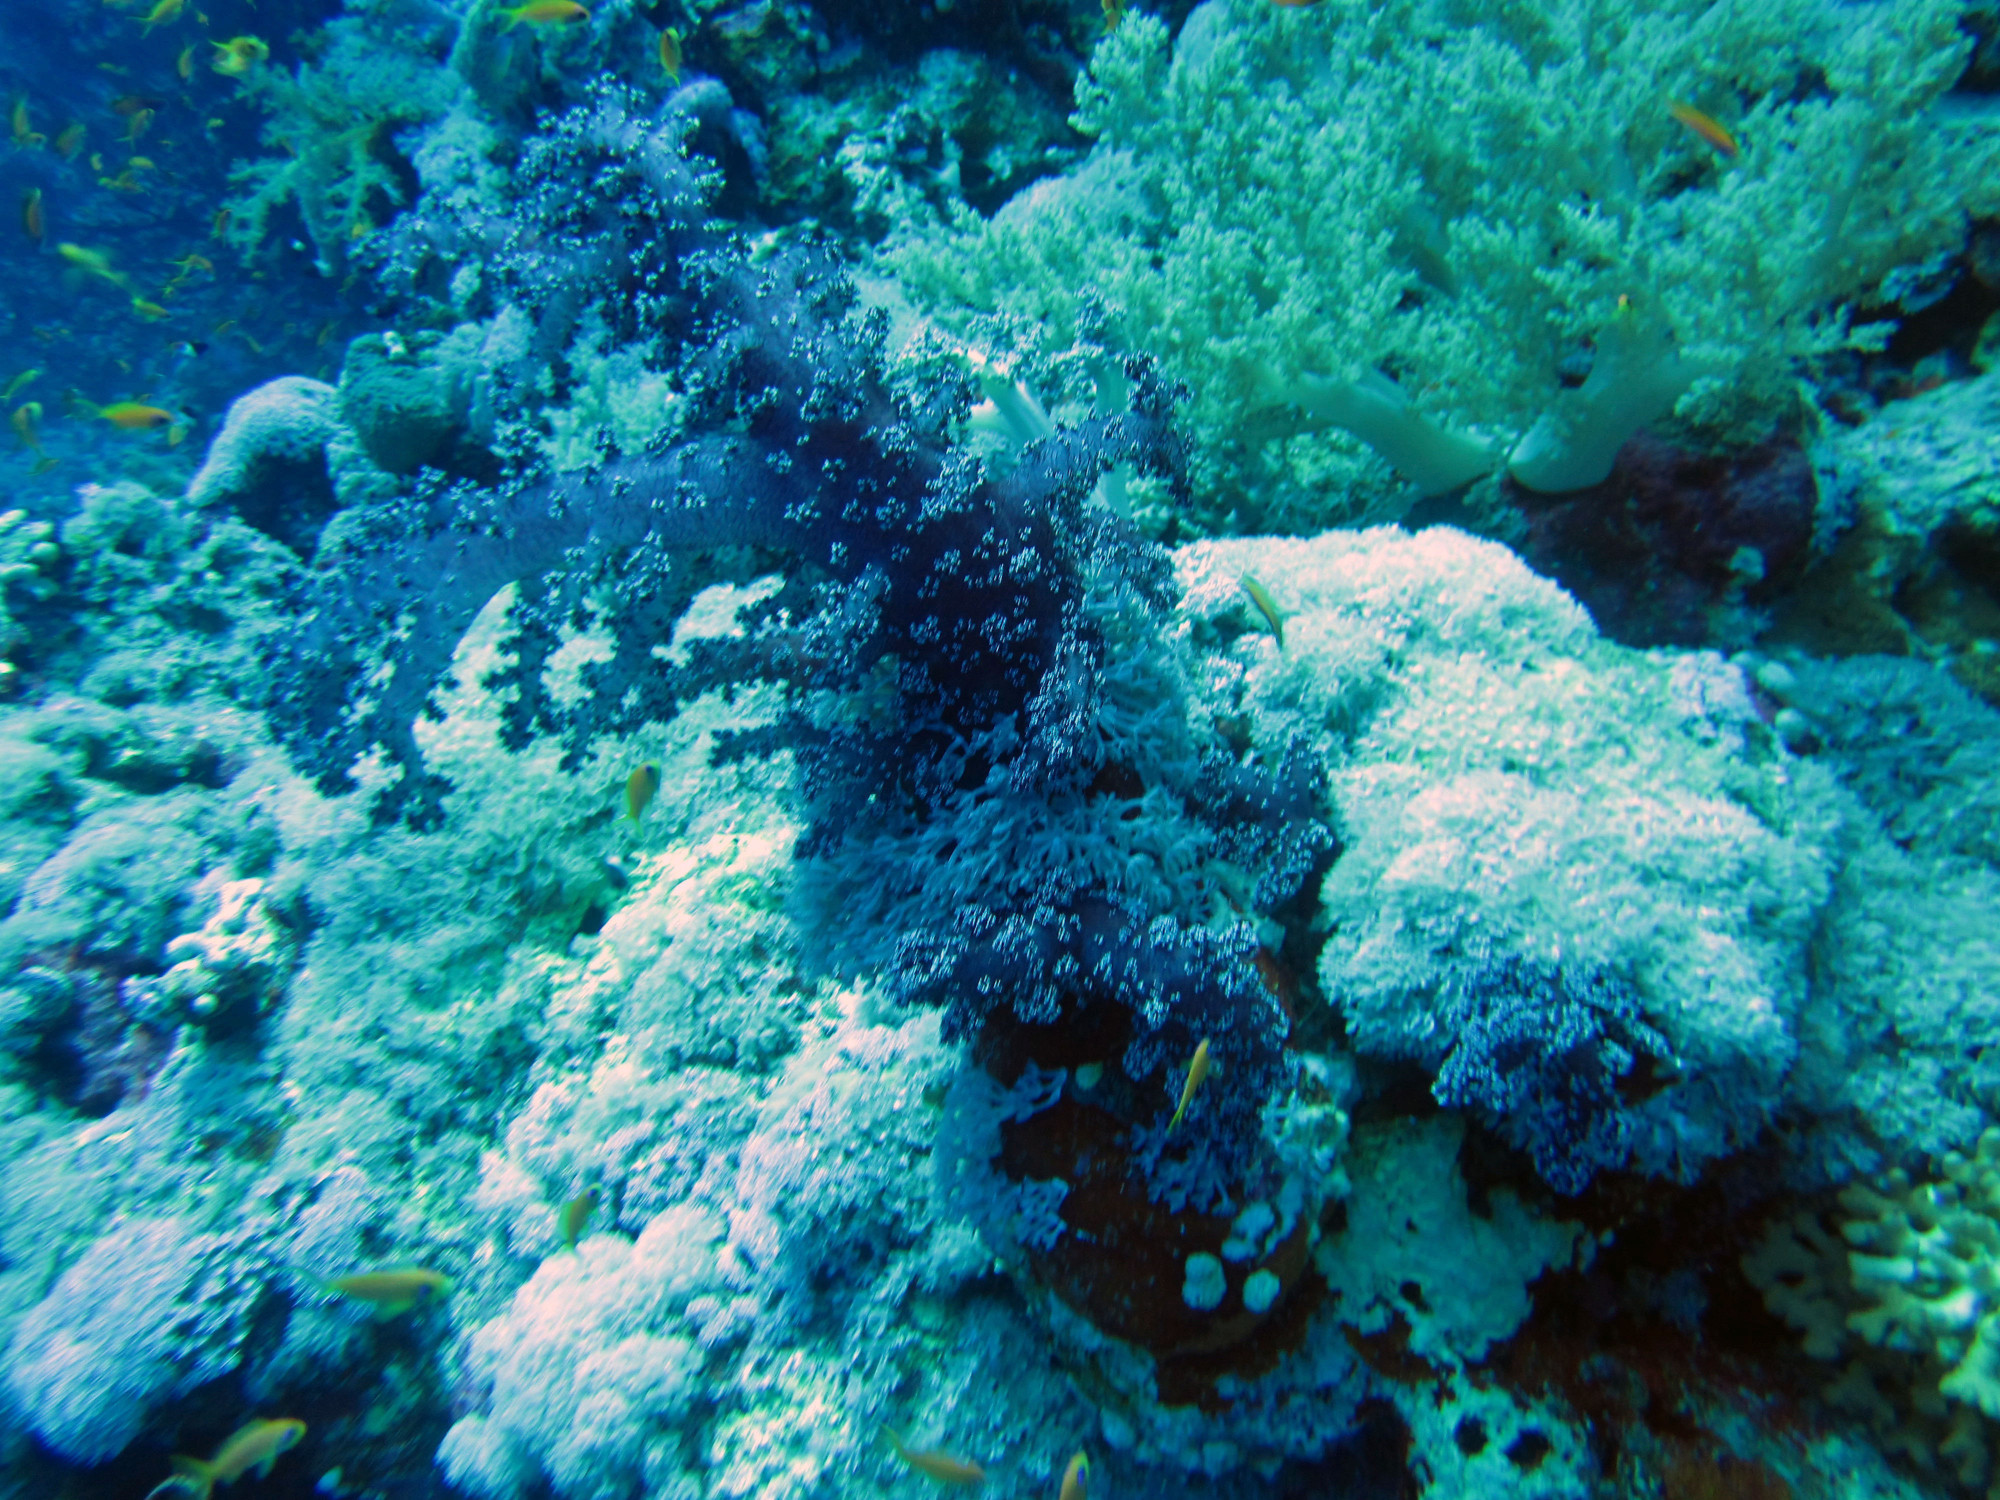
(392, 1293)
(670, 53)
(127, 105)
(257, 1446)
(163, 13)
(71, 140)
(1197, 1070)
(574, 1216)
(1267, 607)
(1076, 1478)
(135, 416)
(140, 122)
(23, 422)
(1114, 12)
(32, 218)
(640, 789)
(152, 312)
(222, 218)
(91, 263)
(25, 134)
(19, 384)
(544, 13)
(237, 56)
(960, 1473)
(1706, 126)
(184, 64)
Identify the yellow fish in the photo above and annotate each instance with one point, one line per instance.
(32, 218)
(544, 13)
(1266, 606)
(152, 312)
(19, 383)
(137, 124)
(640, 788)
(1076, 1478)
(25, 134)
(184, 64)
(670, 53)
(574, 1215)
(163, 13)
(1197, 1070)
(1114, 12)
(1706, 126)
(71, 140)
(392, 1293)
(238, 55)
(960, 1473)
(134, 416)
(257, 1446)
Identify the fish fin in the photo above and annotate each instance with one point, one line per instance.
(192, 1477)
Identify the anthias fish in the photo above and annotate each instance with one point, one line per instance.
(960, 1473)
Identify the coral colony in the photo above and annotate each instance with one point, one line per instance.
(812, 751)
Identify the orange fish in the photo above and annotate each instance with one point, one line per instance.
(544, 13)
(237, 56)
(1114, 12)
(70, 141)
(138, 125)
(25, 134)
(24, 419)
(1706, 126)
(132, 416)
(32, 218)
(163, 13)
(1197, 1071)
(960, 1473)
(255, 1447)
(91, 263)
(184, 64)
(222, 218)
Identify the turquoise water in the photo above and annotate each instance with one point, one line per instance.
(788, 750)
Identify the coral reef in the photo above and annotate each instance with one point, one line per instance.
(1592, 936)
(1463, 239)
(601, 722)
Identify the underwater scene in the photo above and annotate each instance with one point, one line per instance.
(1080, 749)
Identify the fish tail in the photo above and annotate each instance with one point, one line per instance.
(193, 1478)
